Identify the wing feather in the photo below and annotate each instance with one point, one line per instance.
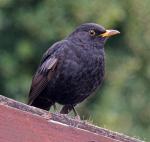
(45, 71)
(41, 78)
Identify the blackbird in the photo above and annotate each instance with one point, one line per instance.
(71, 69)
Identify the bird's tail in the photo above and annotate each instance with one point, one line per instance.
(42, 103)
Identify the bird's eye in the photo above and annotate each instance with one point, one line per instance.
(92, 32)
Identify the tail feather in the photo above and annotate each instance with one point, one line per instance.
(42, 103)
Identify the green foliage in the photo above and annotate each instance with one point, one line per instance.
(28, 28)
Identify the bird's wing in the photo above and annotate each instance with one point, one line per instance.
(42, 77)
(45, 71)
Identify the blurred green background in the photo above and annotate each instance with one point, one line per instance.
(29, 27)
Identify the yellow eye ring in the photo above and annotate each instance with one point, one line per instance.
(92, 33)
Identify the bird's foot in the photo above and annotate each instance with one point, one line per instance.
(47, 116)
(77, 117)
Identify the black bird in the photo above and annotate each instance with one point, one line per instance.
(71, 69)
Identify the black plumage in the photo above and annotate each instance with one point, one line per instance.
(71, 70)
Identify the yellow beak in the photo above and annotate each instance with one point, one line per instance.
(109, 33)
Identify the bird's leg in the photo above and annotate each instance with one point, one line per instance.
(75, 112)
(77, 116)
(47, 115)
(67, 108)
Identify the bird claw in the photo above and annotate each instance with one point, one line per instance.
(77, 117)
(47, 116)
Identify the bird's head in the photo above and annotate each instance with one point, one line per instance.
(91, 33)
